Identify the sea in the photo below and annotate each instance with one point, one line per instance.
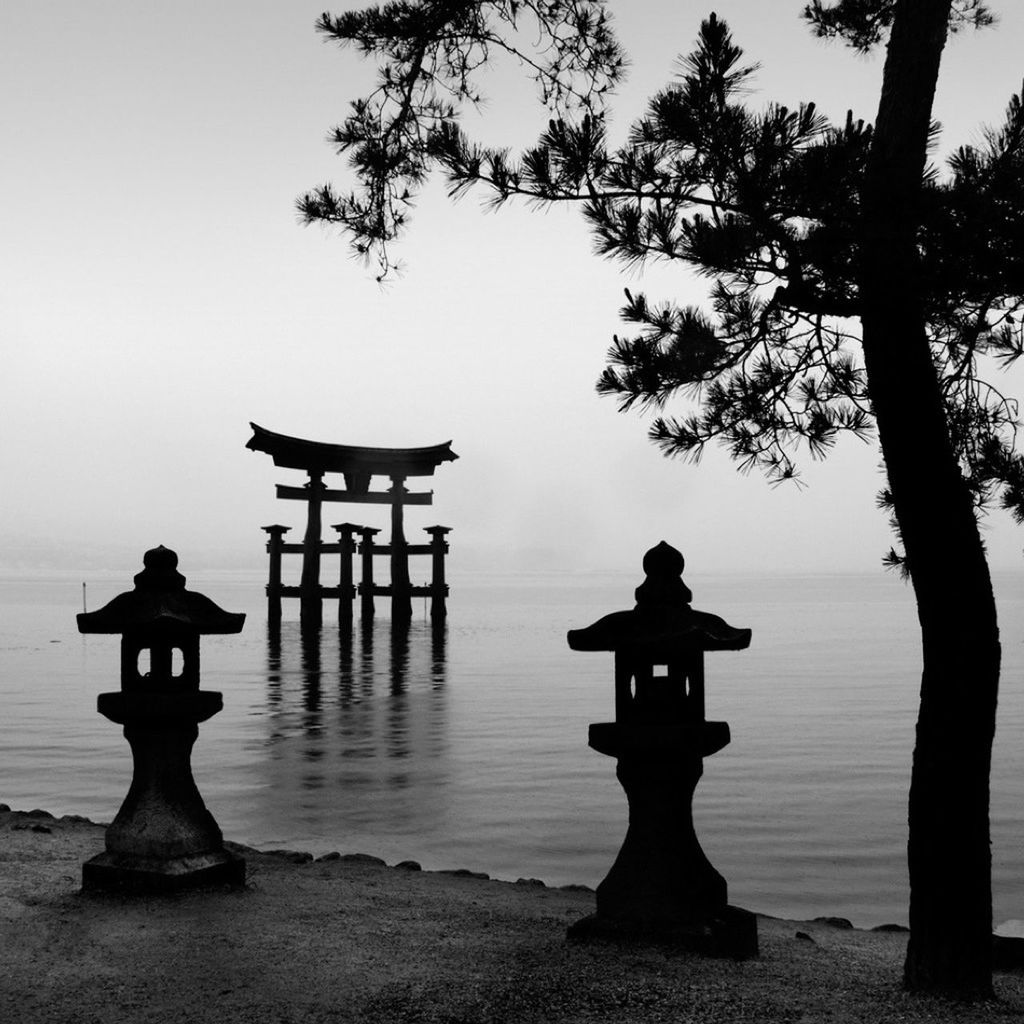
(467, 747)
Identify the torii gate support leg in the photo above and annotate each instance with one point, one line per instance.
(311, 611)
(401, 599)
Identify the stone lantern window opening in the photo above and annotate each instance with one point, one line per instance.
(159, 662)
(648, 686)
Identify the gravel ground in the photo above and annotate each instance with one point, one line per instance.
(350, 939)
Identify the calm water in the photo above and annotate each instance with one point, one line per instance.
(470, 750)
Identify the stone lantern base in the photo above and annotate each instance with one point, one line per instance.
(728, 932)
(109, 872)
(662, 888)
(163, 838)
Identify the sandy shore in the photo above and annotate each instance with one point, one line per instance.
(350, 939)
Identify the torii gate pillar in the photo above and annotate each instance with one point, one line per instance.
(401, 598)
(310, 608)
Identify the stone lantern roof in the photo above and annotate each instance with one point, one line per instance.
(662, 620)
(160, 601)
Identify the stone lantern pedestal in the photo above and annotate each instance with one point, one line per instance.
(662, 887)
(163, 837)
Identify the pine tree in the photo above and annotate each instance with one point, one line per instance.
(855, 289)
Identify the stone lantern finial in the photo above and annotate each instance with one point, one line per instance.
(160, 571)
(663, 587)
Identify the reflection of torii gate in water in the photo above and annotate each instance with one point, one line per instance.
(358, 465)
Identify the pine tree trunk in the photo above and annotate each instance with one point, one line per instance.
(948, 850)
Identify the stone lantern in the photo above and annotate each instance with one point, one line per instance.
(662, 886)
(163, 837)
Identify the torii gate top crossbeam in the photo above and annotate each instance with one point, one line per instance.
(319, 457)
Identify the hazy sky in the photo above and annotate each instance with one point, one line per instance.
(158, 293)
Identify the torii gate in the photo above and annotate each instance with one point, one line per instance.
(358, 466)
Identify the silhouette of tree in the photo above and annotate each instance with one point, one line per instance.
(855, 288)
